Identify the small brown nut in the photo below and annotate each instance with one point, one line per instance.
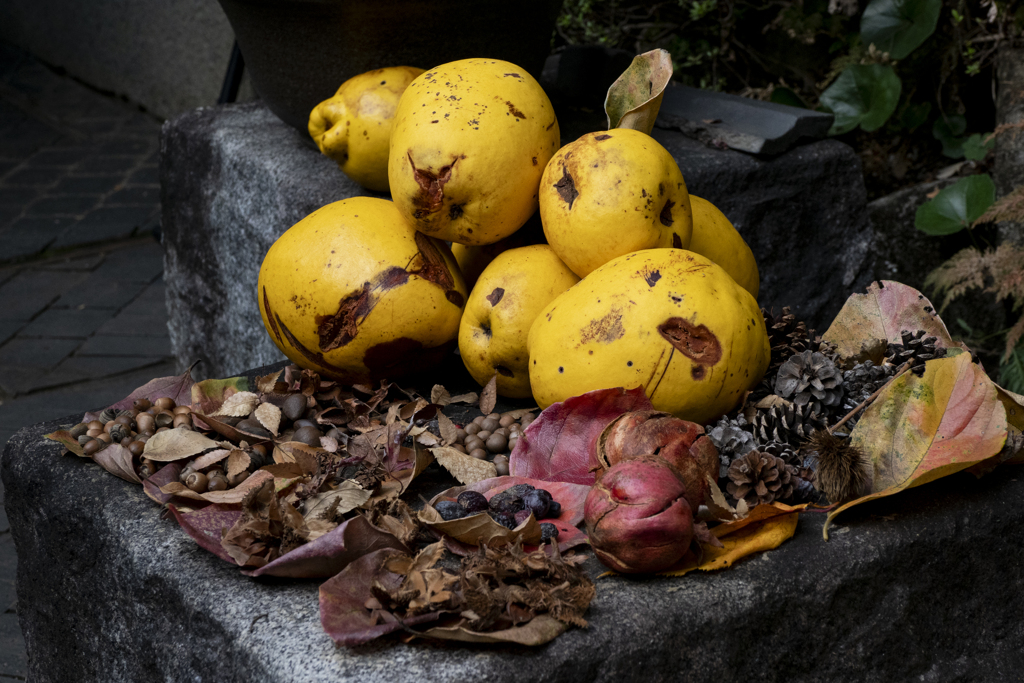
(95, 424)
(303, 422)
(142, 404)
(460, 434)
(238, 478)
(136, 447)
(197, 481)
(489, 425)
(260, 450)
(182, 419)
(457, 446)
(503, 431)
(472, 428)
(92, 446)
(142, 438)
(494, 416)
(294, 406)
(501, 465)
(145, 422)
(84, 439)
(512, 442)
(506, 420)
(126, 420)
(307, 435)
(108, 426)
(216, 482)
(94, 432)
(164, 403)
(146, 471)
(79, 429)
(483, 434)
(182, 410)
(496, 443)
(185, 471)
(104, 437)
(478, 419)
(162, 429)
(478, 453)
(164, 420)
(473, 443)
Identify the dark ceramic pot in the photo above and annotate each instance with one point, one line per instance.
(299, 51)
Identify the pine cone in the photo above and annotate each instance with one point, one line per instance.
(916, 348)
(786, 334)
(863, 380)
(789, 424)
(810, 376)
(733, 439)
(760, 477)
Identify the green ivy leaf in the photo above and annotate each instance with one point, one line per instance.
(899, 26)
(948, 131)
(957, 206)
(915, 115)
(788, 97)
(864, 95)
(977, 147)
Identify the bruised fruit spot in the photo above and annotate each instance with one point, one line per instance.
(502, 370)
(651, 277)
(335, 331)
(604, 330)
(486, 328)
(495, 296)
(534, 161)
(666, 214)
(391, 278)
(696, 342)
(312, 356)
(677, 241)
(431, 194)
(271, 317)
(433, 268)
(603, 137)
(697, 372)
(514, 75)
(566, 188)
(454, 297)
(455, 211)
(515, 112)
(402, 356)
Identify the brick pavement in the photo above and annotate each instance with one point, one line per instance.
(83, 319)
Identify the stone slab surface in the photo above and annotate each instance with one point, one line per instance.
(235, 178)
(927, 585)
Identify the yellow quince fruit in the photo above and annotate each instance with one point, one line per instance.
(668, 320)
(470, 143)
(715, 237)
(354, 126)
(611, 193)
(510, 293)
(353, 292)
(473, 259)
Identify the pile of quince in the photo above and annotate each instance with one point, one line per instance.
(628, 280)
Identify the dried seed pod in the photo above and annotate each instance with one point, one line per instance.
(164, 420)
(118, 433)
(107, 415)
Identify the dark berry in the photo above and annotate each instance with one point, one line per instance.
(510, 500)
(548, 531)
(538, 502)
(449, 510)
(554, 510)
(522, 516)
(506, 520)
(472, 501)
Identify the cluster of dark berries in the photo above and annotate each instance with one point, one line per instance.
(510, 508)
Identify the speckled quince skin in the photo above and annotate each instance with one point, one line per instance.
(470, 143)
(354, 293)
(354, 126)
(507, 297)
(715, 237)
(668, 320)
(610, 193)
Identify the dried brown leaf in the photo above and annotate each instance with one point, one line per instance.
(346, 497)
(211, 458)
(228, 497)
(440, 396)
(481, 529)
(489, 396)
(267, 383)
(470, 397)
(466, 469)
(238, 405)
(116, 459)
(269, 416)
(449, 432)
(176, 444)
(238, 462)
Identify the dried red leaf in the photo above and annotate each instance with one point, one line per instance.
(560, 444)
(332, 552)
(177, 388)
(117, 460)
(163, 476)
(343, 612)
(206, 526)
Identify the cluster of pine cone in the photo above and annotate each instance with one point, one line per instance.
(763, 447)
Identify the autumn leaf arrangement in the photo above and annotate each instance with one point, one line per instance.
(885, 383)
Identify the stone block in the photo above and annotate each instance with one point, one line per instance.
(235, 178)
(74, 323)
(927, 585)
(28, 293)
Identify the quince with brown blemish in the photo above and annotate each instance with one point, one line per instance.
(470, 142)
(354, 293)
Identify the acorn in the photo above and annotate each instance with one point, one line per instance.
(197, 482)
(164, 403)
(79, 429)
(216, 481)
